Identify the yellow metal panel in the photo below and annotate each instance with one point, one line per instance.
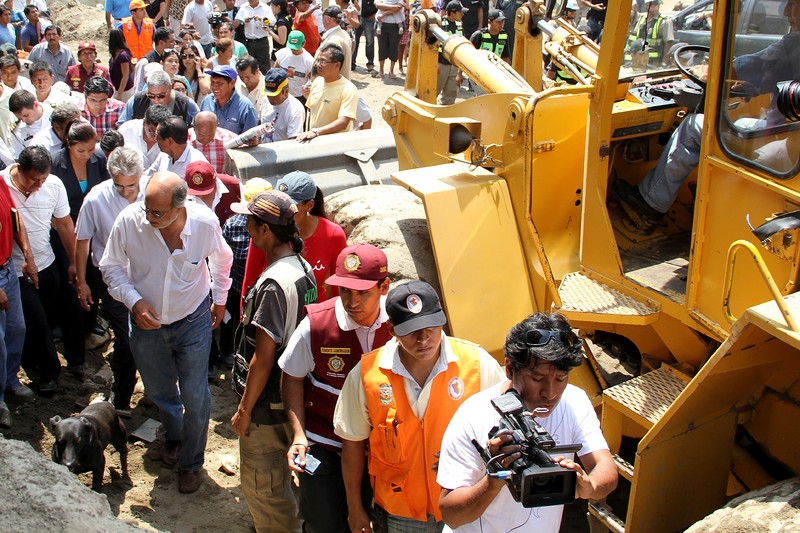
(681, 480)
(479, 257)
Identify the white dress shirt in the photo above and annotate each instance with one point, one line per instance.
(137, 263)
(255, 28)
(100, 209)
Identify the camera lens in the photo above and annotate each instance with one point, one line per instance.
(788, 100)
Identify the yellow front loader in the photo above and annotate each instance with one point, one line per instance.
(515, 185)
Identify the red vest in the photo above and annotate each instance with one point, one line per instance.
(401, 446)
(223, 209)
(336, 352)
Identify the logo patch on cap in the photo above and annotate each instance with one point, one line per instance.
(414, 303)
(455, 388)
(386, 395)
(197, 179)
(282, 187)
(352, 262)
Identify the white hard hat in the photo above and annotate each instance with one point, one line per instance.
(572, 5)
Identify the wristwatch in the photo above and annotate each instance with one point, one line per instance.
(315, 131)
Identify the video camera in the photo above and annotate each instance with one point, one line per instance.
(215, 19)
(533, 479)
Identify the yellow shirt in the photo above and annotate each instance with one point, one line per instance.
(329, 101)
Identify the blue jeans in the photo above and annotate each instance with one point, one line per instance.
(173, 362)
(12, 331)
(367, 29)
(680, 157)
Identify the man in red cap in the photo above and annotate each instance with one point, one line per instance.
(417, 380)
(86, 67)
(217, 191)
(326, 345)
(138, 29)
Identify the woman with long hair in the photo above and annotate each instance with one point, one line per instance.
(78, 165)
(192, 70)
(120, 66)
(272, 310)
(323, 239)
(283, 25)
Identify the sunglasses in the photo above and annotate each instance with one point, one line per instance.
(156, 214)
(188, 56)
(540, 337)
(152, 96)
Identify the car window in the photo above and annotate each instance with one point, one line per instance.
(699, 17)
(758, 124)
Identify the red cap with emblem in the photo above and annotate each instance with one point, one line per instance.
(201, 178)
(359, 267)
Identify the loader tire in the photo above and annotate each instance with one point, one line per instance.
(773, 508)
(393, 219)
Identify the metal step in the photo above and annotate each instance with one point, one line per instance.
(624, 467)
(645, 398)
(582, 296)
(603, 514)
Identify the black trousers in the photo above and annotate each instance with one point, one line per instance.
(122, 364)
(38, 306)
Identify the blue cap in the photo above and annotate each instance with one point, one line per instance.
(298, 185)
(225, 71)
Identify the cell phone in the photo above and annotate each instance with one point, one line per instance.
(312, 463)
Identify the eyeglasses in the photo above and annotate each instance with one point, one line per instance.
(540, 337)
(150, 131)
(156, 214)
(97, 101)
(322, 61)
(152, 96)
(123, 188)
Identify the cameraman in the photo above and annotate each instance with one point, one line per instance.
(539, 354)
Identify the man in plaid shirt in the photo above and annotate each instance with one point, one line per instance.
(210, 139)
(101, 111)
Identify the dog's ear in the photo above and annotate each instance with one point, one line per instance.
(85, 422)
(54, 422)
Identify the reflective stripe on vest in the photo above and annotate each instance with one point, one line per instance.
(401, 446)
(496, 48)
(654, 40)
(447, 27)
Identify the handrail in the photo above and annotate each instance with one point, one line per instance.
(773, 288)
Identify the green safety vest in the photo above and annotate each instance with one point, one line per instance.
(496, 48)
(654, 40)
(447, 26)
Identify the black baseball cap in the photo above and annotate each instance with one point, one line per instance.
(413, 306)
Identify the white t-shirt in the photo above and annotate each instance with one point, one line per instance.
(37, 211)
(100, 209)
(286, 118)
(255, 28)
(197, 14)
(298, 67)
(573, 421)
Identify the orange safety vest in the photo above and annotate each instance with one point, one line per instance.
(401, 446)
(140, 43)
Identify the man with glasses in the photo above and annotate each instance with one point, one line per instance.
(86, 68)
(159, 91)
(95, 220)
(101, 111)
(234, 113)
(419, 375)
(172, 137)
(332, 99)
(141, 133)
(55, 54)
(162, 259)
(539, 353)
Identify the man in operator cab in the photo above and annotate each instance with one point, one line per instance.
(493, 37)
(652, 34)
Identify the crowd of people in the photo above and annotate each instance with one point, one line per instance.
(114, 199)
